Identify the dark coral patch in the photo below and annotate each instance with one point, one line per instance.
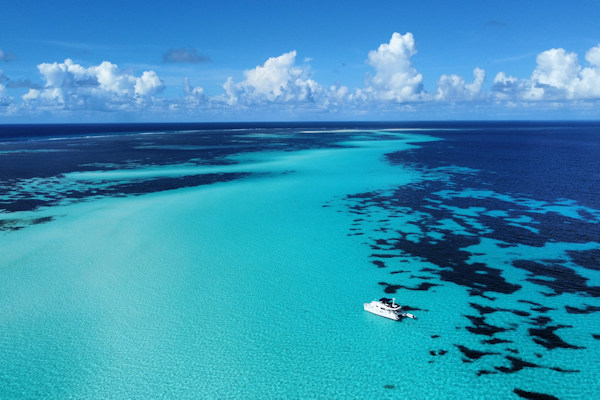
(438, 352)
(483, 309)
(542, 309)
(448, 255)
(423, 286)
(488, 310)
(516, 364)
(525, 394)
(385, 255)
(559, 278)
(400, 271)
(42, 220)
(546, 336)
(474, 354)
(425, 278)
(540, 320)
(457, 268)
(565, 371)
(587, 310)
(18, 224)
(495, 341)
(529, 302)
(587, 258)
(480, 327)
(538, 307)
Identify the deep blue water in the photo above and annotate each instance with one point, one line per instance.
(543, 160)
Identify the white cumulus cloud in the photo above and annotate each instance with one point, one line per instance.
(395, 77)
(278, 80)
(588, 85)
(557, 76)
(148, 84)
(282, 88)
(454, 87)
(556, 73)
(104, 86)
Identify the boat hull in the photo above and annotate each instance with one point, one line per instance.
(381, 312)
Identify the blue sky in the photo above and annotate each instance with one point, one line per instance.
(73, 61)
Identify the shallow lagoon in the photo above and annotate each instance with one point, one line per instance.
(252, 287)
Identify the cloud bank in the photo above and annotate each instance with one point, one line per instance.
(393, 85)
(557, 76)
(71, 86)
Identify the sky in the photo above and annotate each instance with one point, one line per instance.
(155, 61)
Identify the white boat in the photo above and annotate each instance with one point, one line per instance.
(387, 309)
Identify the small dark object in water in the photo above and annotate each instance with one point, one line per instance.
(565, 371)
(533, 395)
(473, 354)
(587, 310)
(389, 386)
(485, 372)
(495, 341)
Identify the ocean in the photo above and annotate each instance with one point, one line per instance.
(233, 260)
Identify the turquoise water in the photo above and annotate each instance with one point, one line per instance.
(253, 288)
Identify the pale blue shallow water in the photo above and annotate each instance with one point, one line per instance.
(253, 288)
